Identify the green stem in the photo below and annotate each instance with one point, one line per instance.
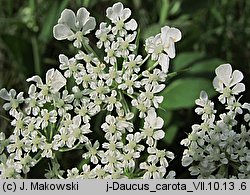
(164, 11)
(69, 149)
(146, 58)
(124, 103)
(51, 132)
(60, 177)
(129, 95)
(36, 56)
(152, 67)
(38, 156)
(149, 69)
(7, 119)
(89, 49)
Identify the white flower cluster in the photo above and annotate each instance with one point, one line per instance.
(219, 146)
(55, 118)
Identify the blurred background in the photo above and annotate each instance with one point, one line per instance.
(214, 32)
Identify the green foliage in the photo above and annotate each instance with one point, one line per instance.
(182, 93)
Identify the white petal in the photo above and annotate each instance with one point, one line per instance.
(171, 175)
(171, 49)
(61, 32)
(4, 94)
(186, 160)
(12, 93)
(147, 175)
(49, 75)
(36, 79)
(218, 85)
(175, 34)
(143, 165)
(156, 175)
(150, 141)
(125, 14)
(224, 72)
(151, 116)
(158, 134)
(164, 33)
(129, 137)
(236, 77)
(58, 81)
(68, 19)
(158, 123)
(82, 17)
(63, 59)
(158, 88)
(164, 62)
(77, 120)
(109, 13)
(90, 25)
(238, 88)
(117, 7)
(131, 25)
(203, 95)
(113, 12)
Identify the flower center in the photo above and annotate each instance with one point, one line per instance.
(158, 49)
(153, 77)
(46, 116)
(193, 137)
(103, 37)
(110, 52)
(112, 128)
(160, 154)
(152, 168)
(32, 102)
(83, 111)
(149, 132)
(142, 107)
(64, 137)
(14, 103)
(149, 95)
(79, 36)
(78, 95)
(44, 90)
(86, 78)
(19, 124)
(119, 24)
(131, 145)
(112, 146)
(73, 67)
(208, 109)
(227, 92)
(60, 103)
(93, 151)
(111, 159)
(77, 133)
(124, 45)
(129, 83)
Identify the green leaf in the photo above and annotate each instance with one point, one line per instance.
(166, 115)
(170, 134)
(182, 93)
(152, 30)
(206, 65)
(185, 59)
